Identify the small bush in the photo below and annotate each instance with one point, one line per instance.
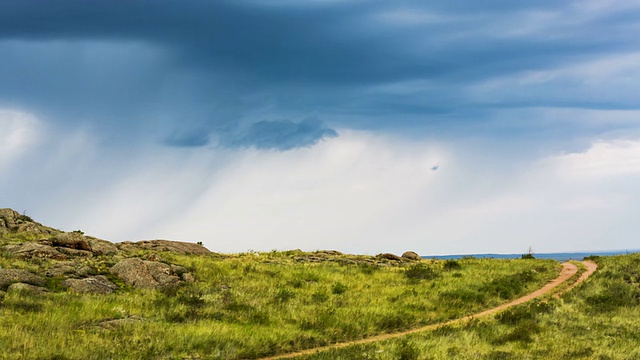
(508, 286)
(451, 265)
(421, 272)
(367, 268)
(339, 288)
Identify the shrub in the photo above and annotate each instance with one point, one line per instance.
(451, 265)
(421, 272)
(507, 286)
(339, 288)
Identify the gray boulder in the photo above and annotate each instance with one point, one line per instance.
(389, 256)
(411, 255)
(26, 288)
(145, 274)
(33, 250)
(177, 247)
(60, 269)
(71, 240)
(11, 276)
(92, 285)
(101, 247)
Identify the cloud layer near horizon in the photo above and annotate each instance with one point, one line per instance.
(360, 192)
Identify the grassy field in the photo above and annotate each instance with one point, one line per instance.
(597, 320)
(257, 304)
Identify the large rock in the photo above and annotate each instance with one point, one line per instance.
(33, 250)
(411, 255)
(71, 240)
(60, 269)
(11, 276)
(91, 285)
(26, 288)
(389, 256)
(178, 247)
(145, 274)
(101, 247)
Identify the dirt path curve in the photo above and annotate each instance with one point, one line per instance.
(568, 270)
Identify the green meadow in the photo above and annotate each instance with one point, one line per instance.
(599, 319)
(255, 304)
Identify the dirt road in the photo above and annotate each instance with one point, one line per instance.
(568, 270)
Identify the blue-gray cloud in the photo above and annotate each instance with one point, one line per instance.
(280, 135)
(189, 139)
(129, 66)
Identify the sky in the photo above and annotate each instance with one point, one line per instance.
(362, 126)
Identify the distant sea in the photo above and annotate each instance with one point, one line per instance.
(555, 256)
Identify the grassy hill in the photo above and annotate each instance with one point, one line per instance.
(203, 305)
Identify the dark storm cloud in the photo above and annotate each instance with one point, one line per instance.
(280, 135)
(226, 64)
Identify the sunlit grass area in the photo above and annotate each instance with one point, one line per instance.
(255, 304)
(599, 319)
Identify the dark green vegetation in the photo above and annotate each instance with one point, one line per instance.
(599, 319)
(248, 305)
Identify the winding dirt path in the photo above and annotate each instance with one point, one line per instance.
(568, 270)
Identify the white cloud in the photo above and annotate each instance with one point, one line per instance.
(360, 192)
(20, 131)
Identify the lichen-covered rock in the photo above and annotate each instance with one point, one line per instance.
(101, 247)
(33, 250)
(74, 252)
(71, 240)
(411, 255)
(27, 288)
(389, 256)
(177, 247)
(60, 269)
(145, 274)
(116, 323)
(92, 285)
(11, 276)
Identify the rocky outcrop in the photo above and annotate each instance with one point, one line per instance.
(411, 255)
(34, 250)
(13, 221)
(91, 285)
(11, 276)
(389, 256)
(178, 247)
(146, 274)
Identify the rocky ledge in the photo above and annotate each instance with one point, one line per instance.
(85, 264)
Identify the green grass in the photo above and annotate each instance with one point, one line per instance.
(257, 304)
(599, 319)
